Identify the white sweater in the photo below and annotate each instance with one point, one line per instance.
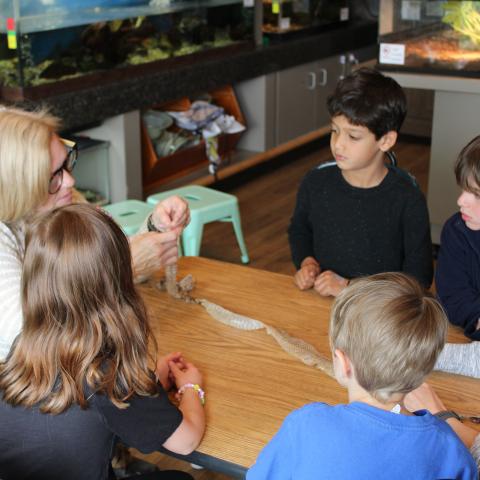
(12, 246)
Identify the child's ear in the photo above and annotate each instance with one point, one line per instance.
(344, 365)
(388, 140)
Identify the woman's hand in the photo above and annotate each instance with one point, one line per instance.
(171, 215)
(152, 251)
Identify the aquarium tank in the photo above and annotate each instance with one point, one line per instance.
(428, 36)
(284, 17)
(64, 42)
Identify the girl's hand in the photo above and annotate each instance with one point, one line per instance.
(163, 372)
(186, 373)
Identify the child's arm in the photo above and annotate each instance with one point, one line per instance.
(417, 260)
(456, 279)
(300, 234)
(329, 283)
(189, 433)
(425, 398)
(309, 271)
(460, 358)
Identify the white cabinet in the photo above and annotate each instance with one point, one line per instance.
(296, 102)
(302, 92)
(282, 106)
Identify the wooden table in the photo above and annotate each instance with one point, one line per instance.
(251, 384)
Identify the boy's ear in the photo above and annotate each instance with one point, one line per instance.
(344, 364)
(388, 140)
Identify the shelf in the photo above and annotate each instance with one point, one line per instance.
(240, 160)
(70, 17)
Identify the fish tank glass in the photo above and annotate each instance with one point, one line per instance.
(284, 18)
(430, 36)
(60, 45)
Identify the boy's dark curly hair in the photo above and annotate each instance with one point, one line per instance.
(370, 99)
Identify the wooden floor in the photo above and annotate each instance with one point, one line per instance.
(267, 198)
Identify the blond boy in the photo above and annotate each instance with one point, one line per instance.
(385, 336)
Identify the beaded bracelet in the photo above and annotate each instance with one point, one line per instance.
(196, 388)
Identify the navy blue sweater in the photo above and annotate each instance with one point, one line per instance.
(361, 231)
(457, 275)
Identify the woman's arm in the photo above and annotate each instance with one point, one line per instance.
(154, 250)
(11, 316)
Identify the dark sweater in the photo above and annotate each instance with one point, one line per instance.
(361, 231)
(78, 444)
(457, 276)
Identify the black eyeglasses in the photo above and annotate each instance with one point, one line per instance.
(56, 179)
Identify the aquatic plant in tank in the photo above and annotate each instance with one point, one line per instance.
(73, 47)
(464, 18)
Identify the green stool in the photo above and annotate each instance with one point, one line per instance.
(129, 214)
(206, 205)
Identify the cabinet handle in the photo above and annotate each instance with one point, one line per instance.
(343, 62)
(352, 59)
(312, 81)
(324, 79)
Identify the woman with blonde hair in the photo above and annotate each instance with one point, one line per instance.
(77, 378)
(35, 176)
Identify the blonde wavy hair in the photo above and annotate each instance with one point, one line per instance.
(84, 322)
(392, 331)
(25, 160)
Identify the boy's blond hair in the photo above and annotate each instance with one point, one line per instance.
(391, 330)
(25, 161)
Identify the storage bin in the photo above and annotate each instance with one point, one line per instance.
(160, 170)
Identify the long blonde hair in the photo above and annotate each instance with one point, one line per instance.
(25, 160)
(83, 319)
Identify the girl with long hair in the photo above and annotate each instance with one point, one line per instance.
(77, 378)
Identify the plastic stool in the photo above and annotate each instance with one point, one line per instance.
(129, 214)
(206, 205)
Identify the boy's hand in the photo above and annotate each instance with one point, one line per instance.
(305, 277)
(329, 283)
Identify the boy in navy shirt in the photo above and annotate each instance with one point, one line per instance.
(357, 216)
(457, 277)
(385, 335)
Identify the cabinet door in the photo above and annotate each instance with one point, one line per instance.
(295, 102)
(329, 71)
